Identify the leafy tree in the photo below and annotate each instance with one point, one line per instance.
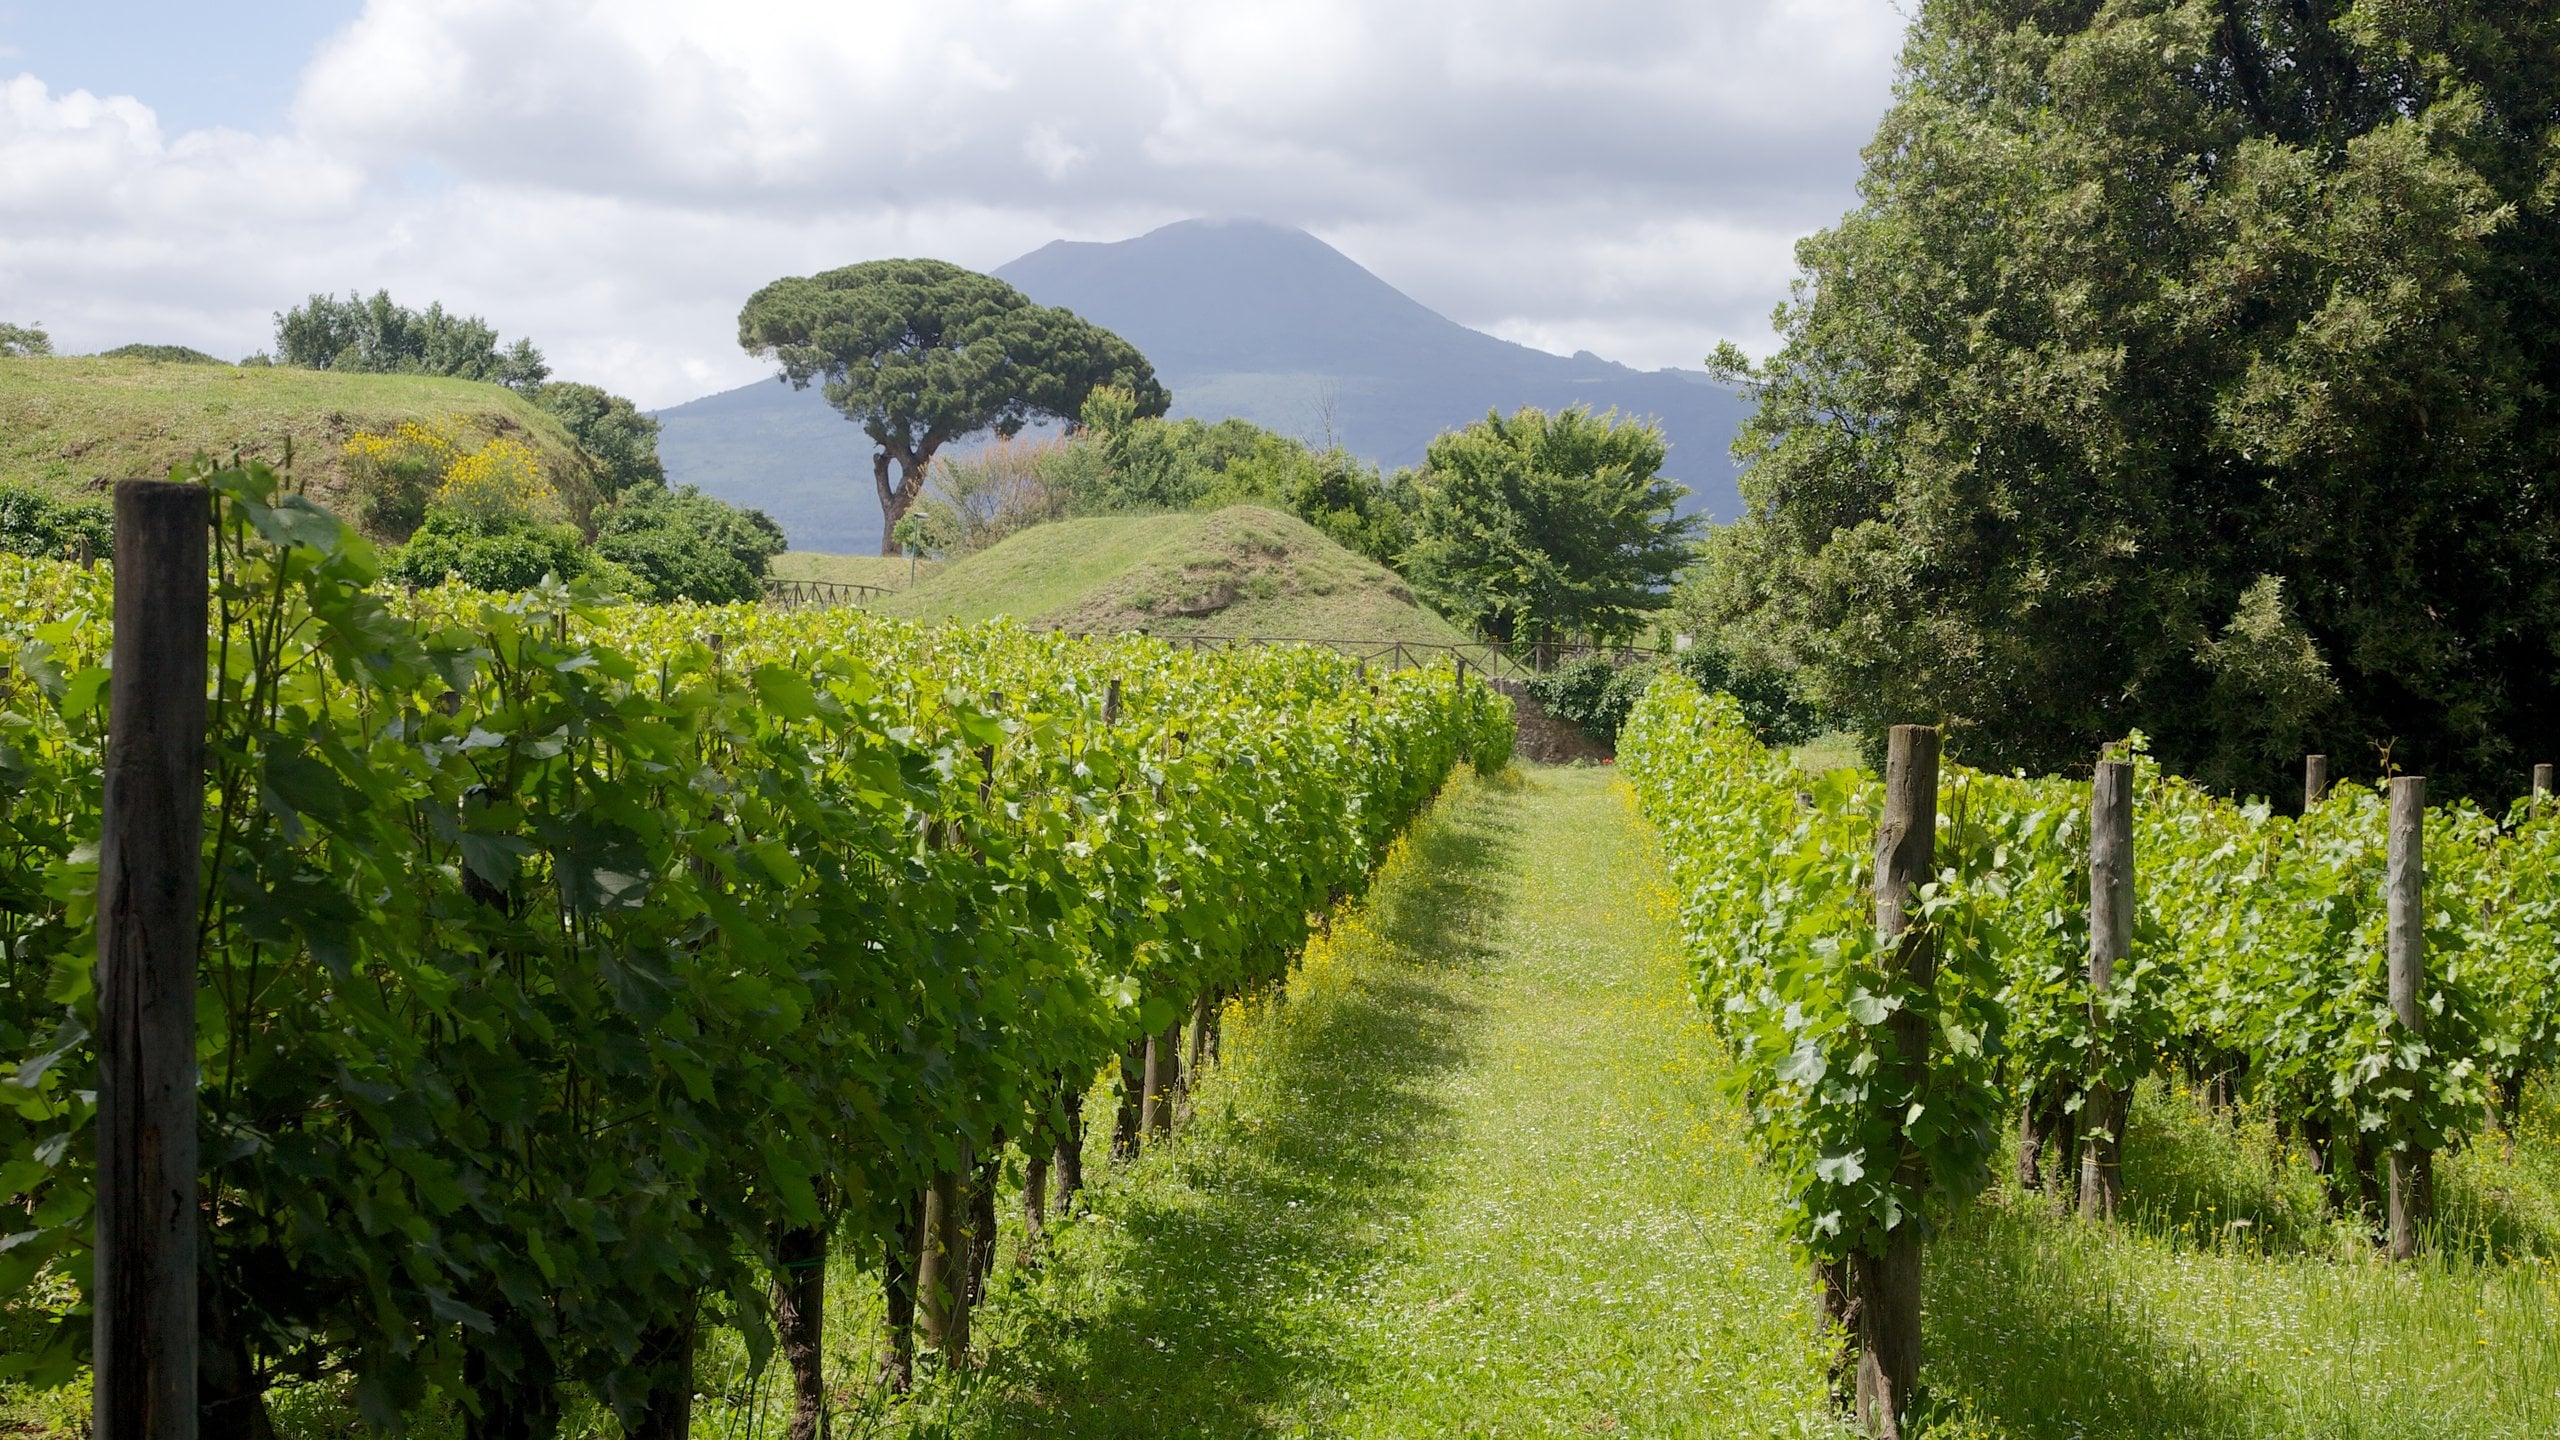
(24, 340)
(381, 337)
(1156, 464)
(920, 353)
(608, 427)
(48, 528)
(1535, 524)
(2186, 367)
(686, 545)
(165, 354)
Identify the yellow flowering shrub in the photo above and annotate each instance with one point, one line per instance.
(399, 477)
(500, 481)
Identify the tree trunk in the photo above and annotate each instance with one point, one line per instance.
(1035, 1205)
(1068, 1158)
(1204, 1008)
(942, 1281)
(510, 1380)
(2031, 1140)
(982, 1223)
(1886, 1290)
(666, 1412)
(1837, 1304)
(231, 1401)
(1164, 1079)
(1217, 1023)
(901, 1259)
(2102, 1154)
(799, 1317)
(1133, 1086)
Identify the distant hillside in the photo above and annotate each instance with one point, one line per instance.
(1239, 318)
(70, 424)
(1241, 571)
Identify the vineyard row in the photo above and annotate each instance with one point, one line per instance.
(570, 976)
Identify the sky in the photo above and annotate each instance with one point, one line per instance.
(613, 177)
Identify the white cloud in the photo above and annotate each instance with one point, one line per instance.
(613, 176)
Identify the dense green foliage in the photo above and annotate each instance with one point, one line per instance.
(47, 527)
(920, 353)
(24, 340)
(165, 354)
(557, 956)
(2258, 951)
(498, 553)
(2188, 367)
(685, 545)
(383, 337)
(1533, 525)
(622, 441)
(1775, 898)
(1598, 694)
(1155, 464)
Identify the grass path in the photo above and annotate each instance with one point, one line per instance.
(1468, 1180)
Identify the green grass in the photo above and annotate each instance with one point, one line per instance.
(1469, 1179)
(1243, 571)
(70, 423)
(890, 571)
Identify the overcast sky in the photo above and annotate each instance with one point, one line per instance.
(612, 177)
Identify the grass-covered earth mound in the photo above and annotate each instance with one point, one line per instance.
(70, 425)
(1242, 571)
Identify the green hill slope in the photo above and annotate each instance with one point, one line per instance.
(69, 423)
(1242, 571)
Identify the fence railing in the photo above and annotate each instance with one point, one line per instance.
(796, 594)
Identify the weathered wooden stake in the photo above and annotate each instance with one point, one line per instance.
(150, 849)
(2542, 781)
(1885, 1288)
(2412, 1170)
(1164, 1079)
(2110, 940)
(2315, 780)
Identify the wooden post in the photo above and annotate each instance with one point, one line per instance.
(2542, 781)
(1164, 1078)
(1886, 1286)
(2110, 940)
(150, 853)
(2412, 1169)
(2315, 780)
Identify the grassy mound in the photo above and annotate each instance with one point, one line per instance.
(1241, 571)
(70, 424)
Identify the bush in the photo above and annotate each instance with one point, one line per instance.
(165, 354)
(508, 553)
(24, 340)
(1770, 704)
(1592, 693)
(684, 545)
(1597, 695)
(34, 523)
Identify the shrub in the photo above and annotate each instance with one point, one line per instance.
(1597, 695)
(24, 340)
(623, 442)
(1592, 693)
(34, 523)
(165, 354)
(508, 553)
(685, 545)
(1776, 713)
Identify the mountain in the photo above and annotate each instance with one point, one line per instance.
(1239, 318)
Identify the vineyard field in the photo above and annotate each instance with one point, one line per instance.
(571, 971)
